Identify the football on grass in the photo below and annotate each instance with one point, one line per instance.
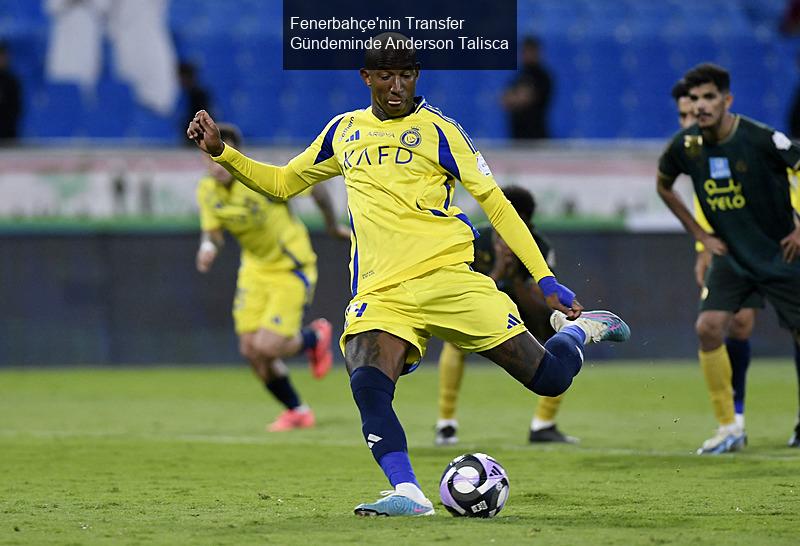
(474, 485)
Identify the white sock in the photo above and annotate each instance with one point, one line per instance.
(441, 423)
(739, 420)
(733, 428)
(539, 424)
(411, 491)
(302, 408)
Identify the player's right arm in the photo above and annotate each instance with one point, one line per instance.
(210, 243)
(211, 238)
(276, 182)
(669, 167)
(665, 188)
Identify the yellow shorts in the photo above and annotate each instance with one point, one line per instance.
(274, 300)
(453, 303)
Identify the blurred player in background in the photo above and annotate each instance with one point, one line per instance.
(276, 280)
(738, 168)
(410, 252)
(495, 259)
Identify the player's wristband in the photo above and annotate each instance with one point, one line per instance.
(549, 286)
(208, 246)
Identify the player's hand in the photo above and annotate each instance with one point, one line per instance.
(338, 231)
(560, 298)
(701, 265)
(205, 133)
(791, 246)
(205, 257)
(714, 245)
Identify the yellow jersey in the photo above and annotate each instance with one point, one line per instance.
(270, 236)
(400, 176)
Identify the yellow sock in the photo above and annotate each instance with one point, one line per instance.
(451, 370)
(716, 367)
(547, 408)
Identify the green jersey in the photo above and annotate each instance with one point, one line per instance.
(743, 189)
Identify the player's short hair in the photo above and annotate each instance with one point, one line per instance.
(390, 56)
(522, 200)
(708, 73)
(230, 133)
(679, 90)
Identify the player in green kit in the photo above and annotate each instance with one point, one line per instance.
(410, 249)
(738, 169)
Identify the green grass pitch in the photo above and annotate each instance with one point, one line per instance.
(179, 456)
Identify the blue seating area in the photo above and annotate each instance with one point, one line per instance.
(613, 62)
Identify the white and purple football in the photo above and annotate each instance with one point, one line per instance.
(474, 485)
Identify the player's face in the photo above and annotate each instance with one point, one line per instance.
(392, 90)
(685, 113)
(709, 104)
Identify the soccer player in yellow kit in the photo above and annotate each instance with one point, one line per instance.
(275, 282)
(401, 159)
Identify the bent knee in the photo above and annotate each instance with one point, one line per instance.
(709, 330)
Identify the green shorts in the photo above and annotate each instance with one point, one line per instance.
(727, 289)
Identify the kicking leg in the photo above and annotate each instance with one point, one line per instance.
(375, 360)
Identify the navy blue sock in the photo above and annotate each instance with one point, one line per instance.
(282, 389)
(373, 392)
(739, 353)
(309, 337)
(561, 362)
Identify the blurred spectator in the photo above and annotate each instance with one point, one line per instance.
(527, 99)
(195, 97)
(10, 99)
(790, 22)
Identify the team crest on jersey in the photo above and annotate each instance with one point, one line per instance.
(781, 141)
(719, 167)
(692, 143)
(411, 137)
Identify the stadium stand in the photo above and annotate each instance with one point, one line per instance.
(613, 63)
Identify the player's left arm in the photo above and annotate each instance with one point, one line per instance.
(787, 153)
(477, 178)
(325, 204)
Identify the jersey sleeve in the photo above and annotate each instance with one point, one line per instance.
(318, 162)
(458, 155)
(669, 164)
(207, 202)
(782, 149)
